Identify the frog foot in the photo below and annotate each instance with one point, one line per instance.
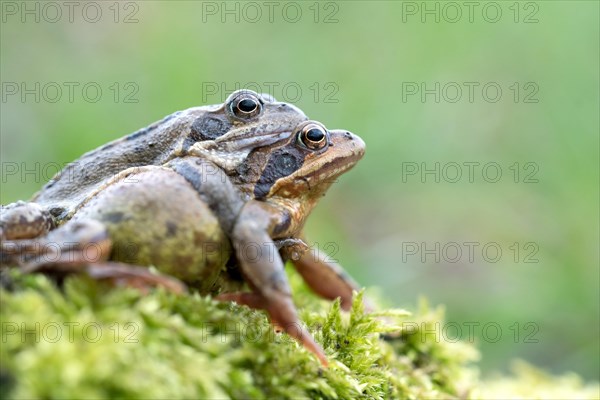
(283, 317)
(80, 247)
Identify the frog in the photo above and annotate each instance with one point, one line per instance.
(213, 198)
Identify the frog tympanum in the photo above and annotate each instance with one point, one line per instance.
(212, 196)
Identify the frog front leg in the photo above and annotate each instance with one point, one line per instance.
(264, 271)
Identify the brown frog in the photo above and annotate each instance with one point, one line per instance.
(212, 196)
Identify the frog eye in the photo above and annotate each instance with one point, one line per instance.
(313, 136)
(245, 106)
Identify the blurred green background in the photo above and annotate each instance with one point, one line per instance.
(357, 65)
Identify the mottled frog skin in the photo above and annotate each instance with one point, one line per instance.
(214, 197)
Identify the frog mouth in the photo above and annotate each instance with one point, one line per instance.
(332, 169)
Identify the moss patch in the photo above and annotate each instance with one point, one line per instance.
(91, 341)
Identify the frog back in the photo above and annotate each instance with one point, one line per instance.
(152, 145)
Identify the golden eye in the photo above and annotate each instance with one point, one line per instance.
(313, 136)
(246, 106)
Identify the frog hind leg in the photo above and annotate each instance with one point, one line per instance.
(134, 276)
(327, 279)
(81, 246)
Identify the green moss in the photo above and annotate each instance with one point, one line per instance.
(91, 341)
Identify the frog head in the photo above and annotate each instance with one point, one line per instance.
(304, 165)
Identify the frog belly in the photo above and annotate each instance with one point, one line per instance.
(155, 217)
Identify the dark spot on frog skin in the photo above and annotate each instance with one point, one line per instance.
(113, 217)
(57, 211)
(171, 228)
(209, 128)
(282, 162)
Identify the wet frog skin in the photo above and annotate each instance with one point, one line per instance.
(213, 197)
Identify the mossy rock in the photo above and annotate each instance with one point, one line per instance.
(87, 340)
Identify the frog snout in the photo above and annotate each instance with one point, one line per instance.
(348, 141)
